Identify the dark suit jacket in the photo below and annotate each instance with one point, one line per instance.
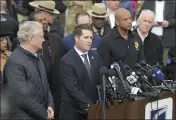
(169, 15)
(56, 50)
(107, 28)
(78, 89)
(56, 28)
(53, 66)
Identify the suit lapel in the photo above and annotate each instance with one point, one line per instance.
(91, 59)
(92, 63)
(52, 46)
(80, 63)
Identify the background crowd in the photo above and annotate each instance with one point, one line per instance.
(41, 65)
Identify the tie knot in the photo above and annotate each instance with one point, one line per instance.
(84, 56)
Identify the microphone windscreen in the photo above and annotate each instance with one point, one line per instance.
(142, 62)
(126, 67)
(137, 65)
(157, 74)
(112, 72)
(115, 64)
(103, 71)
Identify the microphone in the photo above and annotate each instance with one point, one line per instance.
(103, 73)
(159, 76)
(141, 68)
(143, 63)
(116, 67)
(131, 78)
(111, 72)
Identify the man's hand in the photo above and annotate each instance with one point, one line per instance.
(155, 23)
(50, 113)
(165, 23)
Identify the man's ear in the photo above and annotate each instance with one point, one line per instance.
(76, 38)
(117, 22)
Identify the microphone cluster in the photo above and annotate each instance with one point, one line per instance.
(124, 82)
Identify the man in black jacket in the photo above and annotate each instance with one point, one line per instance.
(51, 53)
(25, 76)
(164, 25)
(120, 44)
(153, 47)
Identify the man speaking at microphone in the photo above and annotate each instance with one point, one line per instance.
(121, 43)
(80, 75)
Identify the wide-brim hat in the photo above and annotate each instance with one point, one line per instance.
(48, 6)
(5, 27)
(99, 10)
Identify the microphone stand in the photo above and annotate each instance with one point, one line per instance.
(104, 98)
(99, 93)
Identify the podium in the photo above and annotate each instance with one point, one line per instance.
(128, 109)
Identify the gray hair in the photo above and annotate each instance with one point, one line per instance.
(144, 12)
(3, 5)
(28, 30)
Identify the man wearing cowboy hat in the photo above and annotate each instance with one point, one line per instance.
(99, 13)
(49, 11)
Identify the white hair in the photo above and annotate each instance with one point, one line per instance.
(144, 12)
(3, 5)
(28, 30)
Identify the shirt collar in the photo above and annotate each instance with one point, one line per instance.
(115, 33)
(96, 31)
(3, 12)
(141, 36)
(35, 54)
(79, 52)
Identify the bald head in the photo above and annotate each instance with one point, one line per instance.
(121, 12)
(123, 19)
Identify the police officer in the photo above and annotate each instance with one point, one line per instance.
(121, 44)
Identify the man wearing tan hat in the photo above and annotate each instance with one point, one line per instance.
(49, 11)
(99, 13)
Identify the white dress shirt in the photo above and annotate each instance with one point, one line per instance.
(111, 18)
(159, 17)
(81, 53)
(141, 36)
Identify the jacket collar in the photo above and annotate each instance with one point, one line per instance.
(29, 54)
(115, 33)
